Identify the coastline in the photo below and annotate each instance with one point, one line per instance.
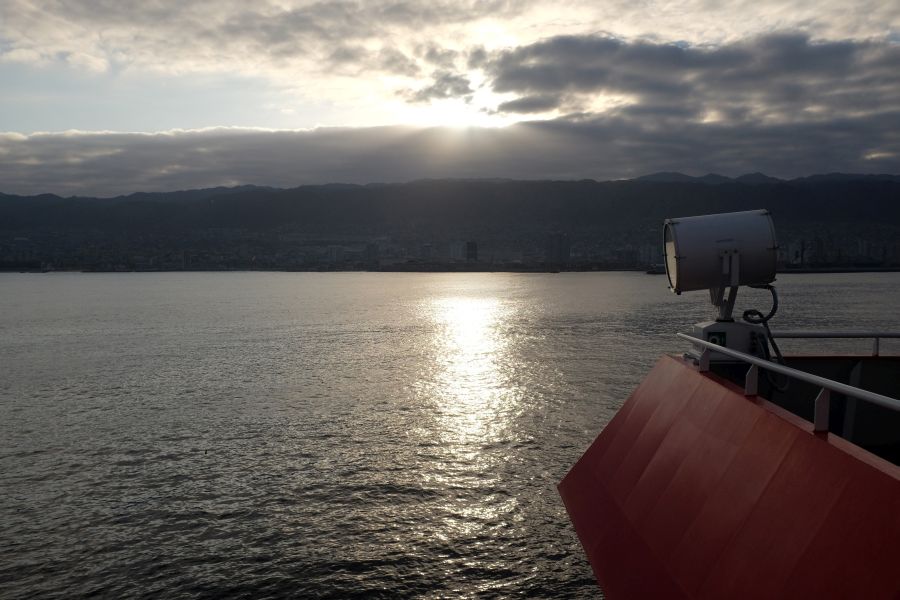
(419, 268)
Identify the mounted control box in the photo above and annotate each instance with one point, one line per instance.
(743, 337)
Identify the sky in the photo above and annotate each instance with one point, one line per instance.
(107, 97)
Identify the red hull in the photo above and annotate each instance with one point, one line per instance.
(695, 491)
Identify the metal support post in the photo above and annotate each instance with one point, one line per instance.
(751, 381)
(704, 360)
(822, 410)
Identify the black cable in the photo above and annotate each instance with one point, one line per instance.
(757, 318)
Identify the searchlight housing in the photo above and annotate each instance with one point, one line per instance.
(718, 251)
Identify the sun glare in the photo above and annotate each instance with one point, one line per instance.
(452, 112)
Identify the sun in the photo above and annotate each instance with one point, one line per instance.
(475, 109)
(454, 112)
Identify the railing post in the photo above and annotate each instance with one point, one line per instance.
(751, 381)
(875, 347)
(826, 386)
(822, 410)
(704, 360)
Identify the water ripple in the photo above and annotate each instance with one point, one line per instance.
(249, 435)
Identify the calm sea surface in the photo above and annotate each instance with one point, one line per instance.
(328, 435)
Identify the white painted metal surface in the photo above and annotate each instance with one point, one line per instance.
(717, 251)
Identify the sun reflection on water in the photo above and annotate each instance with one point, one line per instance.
(475, 398)
(470, 350)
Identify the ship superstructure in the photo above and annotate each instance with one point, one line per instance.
(735, 472)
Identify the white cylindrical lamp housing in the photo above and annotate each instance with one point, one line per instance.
(698, 250)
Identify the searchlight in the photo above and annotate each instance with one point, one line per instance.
(720, 253)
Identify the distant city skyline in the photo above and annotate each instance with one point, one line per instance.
(105, 98)
(823, 223)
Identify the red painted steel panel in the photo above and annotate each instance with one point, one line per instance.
(651, 433)
(776, 533)
(694, 491)
(725, 510)
(698, 476)
(864, 521)
(682, 436)
(634, 418)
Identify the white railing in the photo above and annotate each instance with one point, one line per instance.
(822, 402)
(875, 336)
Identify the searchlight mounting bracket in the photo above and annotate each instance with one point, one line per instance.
(731, 277)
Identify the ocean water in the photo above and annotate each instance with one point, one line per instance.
(268, 435)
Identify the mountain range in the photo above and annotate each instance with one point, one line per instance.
(760, 178)
(846, 217)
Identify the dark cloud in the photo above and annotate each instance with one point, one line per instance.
(775, 78)
(444, 85)
(582, 146)
(358, 60)
(477, 57)
(394, 61)
(531, 104)
(440, 57)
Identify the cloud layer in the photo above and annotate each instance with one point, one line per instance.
(777, 78)
(599, 147)
(362, 53)
(696, 86)
(230, 35)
